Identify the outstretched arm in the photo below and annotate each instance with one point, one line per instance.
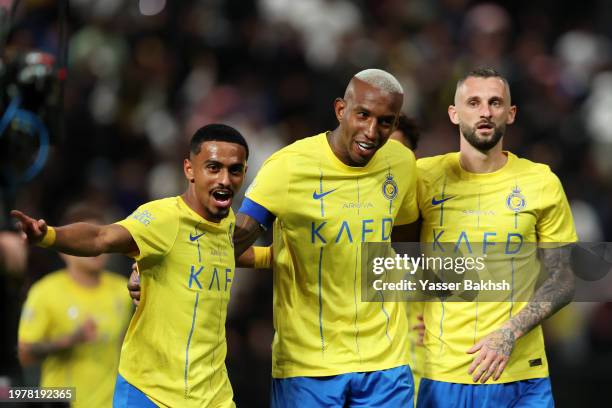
(554, 293)
(80, 239)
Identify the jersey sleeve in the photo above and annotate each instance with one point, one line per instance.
(269, 189)
(555, 223)
(35, 317)
(409, 210)
(154, 227)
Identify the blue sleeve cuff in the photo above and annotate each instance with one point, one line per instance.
(257, 212)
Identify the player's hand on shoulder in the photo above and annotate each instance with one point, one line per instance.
(134, 285)
(495, 350)
(31, 230)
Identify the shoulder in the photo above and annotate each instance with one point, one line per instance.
(434, 168)
(543, 172)
(164, 204)
(151, 211)
(398, 153)
(52, 281)
(525, 165)
(307, 145)
(114, 280)
(435, 163)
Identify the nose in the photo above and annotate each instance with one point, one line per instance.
(224, 178)
(370, 129)
(485, 110)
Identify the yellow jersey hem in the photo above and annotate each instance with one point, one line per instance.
(503, 380)
(361, 368)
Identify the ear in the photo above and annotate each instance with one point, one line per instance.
(188, 170)
(453, 115)
(339, 108)
(511, 115)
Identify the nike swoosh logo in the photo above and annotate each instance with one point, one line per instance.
(317, 196)
(436, 202)
(195, 237)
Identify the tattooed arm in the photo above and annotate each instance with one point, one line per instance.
(554, 293)
(246, 232)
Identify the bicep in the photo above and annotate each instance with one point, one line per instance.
(116, 238)
(557, 264)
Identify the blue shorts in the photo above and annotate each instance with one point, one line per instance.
(385, 389)
(535, 393)
(128, 396)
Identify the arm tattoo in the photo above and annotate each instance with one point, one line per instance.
(554, 293)
(246, 232)
(502, 341)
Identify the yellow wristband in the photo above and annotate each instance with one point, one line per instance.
(48, 239)
(262, 257)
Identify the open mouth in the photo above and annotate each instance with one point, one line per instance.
(222, 197)
(366, 147)
(485, 125)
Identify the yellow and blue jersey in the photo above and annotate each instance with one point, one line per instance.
(174, 350)
(322, 211)
(521, 203)
(56, 307)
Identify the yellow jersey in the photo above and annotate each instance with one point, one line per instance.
(56, 307)
(521, 203)
(174, 349)
(323, 211)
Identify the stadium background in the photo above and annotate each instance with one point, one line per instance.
(143, 75)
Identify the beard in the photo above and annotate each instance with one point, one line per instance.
(483, 144)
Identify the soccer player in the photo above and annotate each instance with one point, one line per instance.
(323, 196)
(73, 323)
(483, 194)
(174, 350)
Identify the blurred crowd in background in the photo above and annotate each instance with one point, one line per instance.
(144, 75)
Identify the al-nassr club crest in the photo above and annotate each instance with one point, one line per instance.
(389, 187)
(515, 200)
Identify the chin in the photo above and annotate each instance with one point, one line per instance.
(220, 214)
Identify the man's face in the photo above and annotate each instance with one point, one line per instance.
(482, 110)
(217, 172)
(367, 116)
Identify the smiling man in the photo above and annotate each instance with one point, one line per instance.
(323, 196)
(174, 350)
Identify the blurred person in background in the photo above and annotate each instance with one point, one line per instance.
(174, 349)
(407, 132)
(73, 323)
(485, 190)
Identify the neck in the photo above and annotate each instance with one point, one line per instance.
(189, 197)
(332, 138)
(476, 161)
(87, 279)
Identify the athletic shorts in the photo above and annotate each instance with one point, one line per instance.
(534, 393)
(392, 388)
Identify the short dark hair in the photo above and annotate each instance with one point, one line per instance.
(410, 129)
(216, 132)
(483, 72)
